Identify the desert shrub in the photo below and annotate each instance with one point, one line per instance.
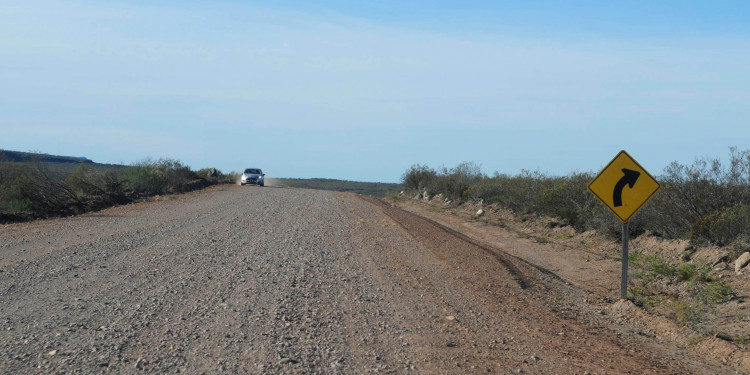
(491, 190)
(86, 181)
(686, 290)
(162, 176)
(455, 183)
(688, 310)
(517, 193)
(214, 175)
(722, 227)
(643, 295)
(417, 177)
(686, 271)
(34, 187)
(691, 272)
(39, 188)
(692, 194)
(706, 201)
(568, 199)
(175, 174)
(143, 180)
(12, 200)
(211, 174)
(651, 265)
(716, 292)
(739, 246)
(564, 198)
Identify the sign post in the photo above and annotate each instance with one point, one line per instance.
(623, 186)
(624, 278)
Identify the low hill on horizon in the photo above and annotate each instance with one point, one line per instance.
(21, 157)
(58, 166)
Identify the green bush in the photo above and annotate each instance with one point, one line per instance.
(651, 265)
(686, 271)
(716, 292)
(686, 290)
(691, 272)
(688, 310)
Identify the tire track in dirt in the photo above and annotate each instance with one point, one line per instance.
(405, 219)
(547, 308)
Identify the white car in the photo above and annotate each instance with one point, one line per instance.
(253, 176)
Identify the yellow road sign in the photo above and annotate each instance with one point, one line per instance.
(624, 186)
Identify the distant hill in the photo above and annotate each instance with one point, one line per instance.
(20, 157)
(57, 165)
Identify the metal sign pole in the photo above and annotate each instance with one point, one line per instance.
(624, 280)
(609, 186)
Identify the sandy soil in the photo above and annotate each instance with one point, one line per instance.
(270, 280)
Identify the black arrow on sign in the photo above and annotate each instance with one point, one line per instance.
(629, 179)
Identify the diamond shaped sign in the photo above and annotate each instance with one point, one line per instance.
(624, 186)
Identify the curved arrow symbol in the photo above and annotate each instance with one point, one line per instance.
(629, 179)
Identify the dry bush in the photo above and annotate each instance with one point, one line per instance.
(12, 200)
(517, 193)
(86, 181)
(47, 193)
(695, 193)
(150, 177)
(455, 183)
(722, 227)
(706, 201)
(418, 177)
(40, 189)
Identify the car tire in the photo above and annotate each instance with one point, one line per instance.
(261, 185)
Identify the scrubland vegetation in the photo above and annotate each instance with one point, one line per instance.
(39, 188)
(34, 185)
(707, 202)
(685, 291)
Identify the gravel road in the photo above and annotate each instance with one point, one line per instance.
(271, 280)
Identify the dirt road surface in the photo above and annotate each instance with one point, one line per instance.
(270, 280)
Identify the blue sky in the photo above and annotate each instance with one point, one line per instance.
(362, 90)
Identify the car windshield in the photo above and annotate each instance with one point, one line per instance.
(252, 171)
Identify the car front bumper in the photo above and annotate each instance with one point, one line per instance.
(252, 180)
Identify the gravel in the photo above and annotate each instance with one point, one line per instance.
(273, 280)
